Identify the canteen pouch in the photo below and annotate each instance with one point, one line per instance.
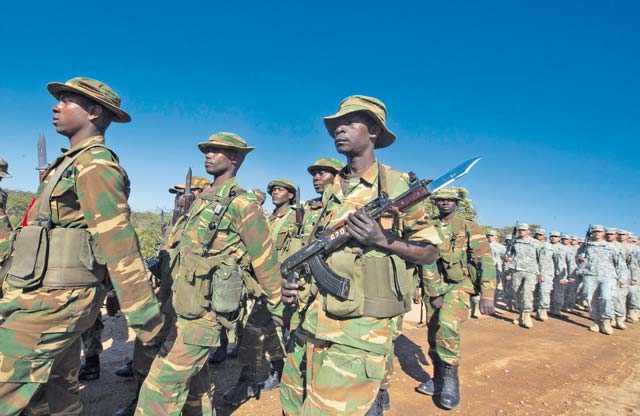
(72, 262)
(346, 264)
(29, 257)
(192, 286)
(452, 266)
(387, 286)
(228, 286)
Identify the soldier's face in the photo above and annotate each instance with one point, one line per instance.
(280, 196)
(566, 241)
(218, 161)
(491, 238)
(446, 206)
(610, 237)
(71, 113)
(352, 134)
(321, 178)
(541, 237)
(622, 238)
(597, 235)
(523, 233)
(554, 239)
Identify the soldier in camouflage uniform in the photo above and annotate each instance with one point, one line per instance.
(498, 252)
(81, 209)
(260, 337)
(225, 235)
(5, 225)
(630, 255)
(564, 269)
(548, 261)
(601, 264)
(523, 261)
(622, 290)
(345, 343)
(465, 267)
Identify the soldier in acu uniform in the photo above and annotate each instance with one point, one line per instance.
(5, 225)
(224, 236)
(465, 267)
(80, 223)
(547, 268)
(630, 255)
(622, 290)
(345, 343)
(564, 267)
(497, 252)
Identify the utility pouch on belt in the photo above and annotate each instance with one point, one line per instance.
(452, 266)
(29, 257)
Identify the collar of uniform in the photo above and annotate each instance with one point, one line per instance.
(290, 208)
(369, 178)
(224, 189)
(86, 142)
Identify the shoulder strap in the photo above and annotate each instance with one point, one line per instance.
(44, 210)
(218, 213)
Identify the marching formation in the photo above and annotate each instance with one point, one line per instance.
(318, 289)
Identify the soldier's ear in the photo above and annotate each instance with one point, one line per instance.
(95, 111)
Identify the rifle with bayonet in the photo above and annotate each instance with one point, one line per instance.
(42, 157)
(310, 259)
(299, 214)
(182, 203)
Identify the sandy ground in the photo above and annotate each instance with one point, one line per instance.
(555, 368)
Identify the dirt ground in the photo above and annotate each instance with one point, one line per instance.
(555, 368)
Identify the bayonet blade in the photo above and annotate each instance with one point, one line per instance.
(452, 176)
(42, 153)
(162, 223)
(187, 184)
(297, 199)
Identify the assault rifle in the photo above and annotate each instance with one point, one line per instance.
(310, 259)
(513, 238)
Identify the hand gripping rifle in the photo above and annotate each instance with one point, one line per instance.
(310, 259)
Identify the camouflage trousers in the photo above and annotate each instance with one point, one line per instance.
(260, 337)
(524, 284)
(620, 295)
(634, 296)
(561, 294)
(92, 338)
(323, 378)
(444, 325)
(40, 340)
(543, 294)
(179, 372)
(599, 292)
(388, 368)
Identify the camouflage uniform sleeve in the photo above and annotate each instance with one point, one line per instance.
(621, 267)
(255, 234)
(102, 195)
(432, 281)
(480, 254)
(5, 227)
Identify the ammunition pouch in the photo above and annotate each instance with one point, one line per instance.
(55, 258)
(203, 284)
(380, 286)
(453, 266)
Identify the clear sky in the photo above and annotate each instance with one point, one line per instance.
(547, 93)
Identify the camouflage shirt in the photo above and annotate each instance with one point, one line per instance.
(525, 256)
(312, 211)
(93, 194)
(242, 231)
(601, 259)
(547, 260)
(366, 333)
(565, 261)
(283, 229)
(497, 252)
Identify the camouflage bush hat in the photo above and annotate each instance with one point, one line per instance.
(540, 231)
(197, 183)
(326, 163)
(594, 228)
(523, 226)
(491, 233)
(370, 105)
(285, 183)
(4, 169)
(611, 230)
(448, 193)
(260, 195)
(95, 90)
(554, 234)
(225, 140)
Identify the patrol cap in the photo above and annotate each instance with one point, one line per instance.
(448, 193)
(4, 166)
(540, 231)
(554, 234)
(197, 182)
(574, 237)
(95, 90)
(597, 228)
(491, 233)
(611, 230)
(328, 163)
(285, 183)
(225, 140)
(565, 236)
(523, 226)
(370, 105)
(623, 232)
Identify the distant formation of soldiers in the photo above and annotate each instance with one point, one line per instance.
(216, 278)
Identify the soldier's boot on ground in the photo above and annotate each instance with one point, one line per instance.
(555, 311)
(619, 323)
(542, 315)
(130, 409)
(233, 352)
(449, 396)
(595, 327)
(245, 388)
(90, 369)
(633, 315)
(220, 354)
(605, 327)
(385, 399)
(275, 374)
(525, 317)
(475, 311)
(126, 370)
(430, 387)
(377, 408)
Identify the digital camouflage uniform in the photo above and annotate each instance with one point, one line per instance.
(345, 358)
(524, 269)
(622, 290)
(444, 324)
(629, 253)
(498, 251)
(243, 235)
(43, 327)
(565, 267)
(547, 271)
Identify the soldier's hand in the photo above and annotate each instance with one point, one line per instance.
(487, 306)
(289, 291)
(541, 279)
(365, 229)
(620, 283)
(417, 296)
(632, 282)
(507, 259)
(437, 302)
(571, 280)
(563, 281)
(581, 259)
(508, 277)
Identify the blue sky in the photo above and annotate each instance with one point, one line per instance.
(547, 93)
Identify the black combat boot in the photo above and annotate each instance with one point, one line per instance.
(377, 408)
(449, 396)
(275, 374)
(385, 399)
(244, 389)
(130, 409)
(126, 370)
(220, 354)
(90, 369)
(433, 385)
